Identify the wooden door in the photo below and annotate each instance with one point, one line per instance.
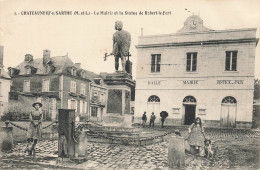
(228, 115)
(153, 107)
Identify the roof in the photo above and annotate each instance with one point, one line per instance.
(60, 63)
(4, 74)
(195, 33)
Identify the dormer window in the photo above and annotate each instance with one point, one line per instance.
(49, 69)
(28, 70)
(83, 74)
(73, 72)
(13, 71)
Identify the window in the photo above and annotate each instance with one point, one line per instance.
(72, 104)
(73, 71)
(45, 85)
(156, 63)
(83, 106)
(154, 98)
(28, 70)
(191, 64)
(94, 111)
(229, 99)
(102, 97)
(73, 86)
(83, 74)
(189, 100)
(231, 61)
(26, 86)
(82, 88)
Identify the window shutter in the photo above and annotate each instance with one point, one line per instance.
(69, 104)
(71, 86)
(194, 62)
(153, 63)
(76, 106)
(227, 61)
(85, 108)
(188, 62)
(81, 106)
(234, 61)
(158, 64)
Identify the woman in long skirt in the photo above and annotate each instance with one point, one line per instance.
(35, 127)
(196, 137)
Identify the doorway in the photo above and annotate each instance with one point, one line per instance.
(189, 107)
(228, 112)
(189, 114)
(153, 105)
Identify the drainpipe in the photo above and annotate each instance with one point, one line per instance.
(61, 91)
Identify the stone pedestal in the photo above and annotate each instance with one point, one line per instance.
(176, 152)
(82, 145)
(66, 129)
(6, 140)
(118, 99)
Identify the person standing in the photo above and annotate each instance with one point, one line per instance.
(163, 115)
(35, 127)
(152, 119)
(196, 137)
(144, 118)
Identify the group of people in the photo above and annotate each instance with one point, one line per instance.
(196, 137)
(153, 117)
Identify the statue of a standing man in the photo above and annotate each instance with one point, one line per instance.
(121, 45)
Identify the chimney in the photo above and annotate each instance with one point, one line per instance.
(78, 65)
(1, 56)
(28, 57)
(46, 56)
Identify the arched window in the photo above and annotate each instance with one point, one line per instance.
(153, 98)
(229, 100)
(189, 99)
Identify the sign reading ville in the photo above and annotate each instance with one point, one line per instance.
(155, 82)
(230, 81)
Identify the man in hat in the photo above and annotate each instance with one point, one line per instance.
(144, 118)
(152, 119)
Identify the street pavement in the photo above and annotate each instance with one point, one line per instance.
(107, 156)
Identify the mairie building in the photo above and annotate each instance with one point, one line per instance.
(197, 72)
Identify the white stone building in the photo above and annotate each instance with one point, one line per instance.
(5, 81)
(197, 72)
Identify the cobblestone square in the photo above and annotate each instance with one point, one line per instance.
(234, 149)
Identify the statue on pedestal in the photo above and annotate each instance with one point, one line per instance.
(121, 45)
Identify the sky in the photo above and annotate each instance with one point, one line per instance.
(86, 38)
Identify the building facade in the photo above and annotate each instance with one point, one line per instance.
(197, 72)
(98, 98)
(5, 83)
(56, 82)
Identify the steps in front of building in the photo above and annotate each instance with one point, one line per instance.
(121, 135)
